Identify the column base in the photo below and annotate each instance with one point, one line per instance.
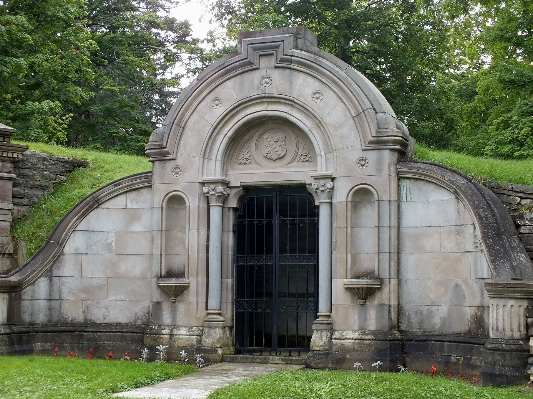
(214, 318)
(323, 322)
(322, 333)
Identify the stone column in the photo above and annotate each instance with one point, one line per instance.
(216, 191)
(323, 186)
(9, 154)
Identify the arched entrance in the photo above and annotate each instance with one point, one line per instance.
(276, 266)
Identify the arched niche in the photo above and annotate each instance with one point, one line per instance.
(174, 236)
(363, 233)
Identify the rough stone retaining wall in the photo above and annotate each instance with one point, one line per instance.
(36, 173)
(518, 199)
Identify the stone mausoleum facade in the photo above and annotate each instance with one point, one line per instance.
(283, 216)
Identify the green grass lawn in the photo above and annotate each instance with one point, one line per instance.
(322, 384)
(50, 377)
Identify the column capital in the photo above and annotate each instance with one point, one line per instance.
(323, 185)
(216, 194)
(216, 190)
(324, 190)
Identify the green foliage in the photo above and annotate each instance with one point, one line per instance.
(499, 119)
(322, 384)
(135, 81)
(104, 168)
(44, 65)
(90, 73)
(72, 378)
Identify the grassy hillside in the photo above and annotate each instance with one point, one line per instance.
(503, 171)
(105, 167)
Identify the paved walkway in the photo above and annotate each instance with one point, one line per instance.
(201, 383)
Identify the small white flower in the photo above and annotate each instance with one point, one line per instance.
(144, 354)
(358, 366)
(199, 361)
(377, 364)
(162, 352)
(402, 369)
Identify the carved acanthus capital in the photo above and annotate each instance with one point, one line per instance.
(324, 190)
(216, 193)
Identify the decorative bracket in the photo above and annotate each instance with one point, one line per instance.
(173, 287)
(362, 288)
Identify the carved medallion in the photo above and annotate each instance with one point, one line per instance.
(266, 80)
(176, 171)
(216, 102)
(362, 162)
(317, 96)
(275, 146)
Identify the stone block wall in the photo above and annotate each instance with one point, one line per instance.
(36, 173)
(442, 266)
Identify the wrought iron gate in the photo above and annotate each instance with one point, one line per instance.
(276, 271)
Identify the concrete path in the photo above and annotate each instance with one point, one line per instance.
(201, 383)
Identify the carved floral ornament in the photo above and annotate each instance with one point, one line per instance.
(216, 102)
(216, 193)
(362, 162)
(317, 96)
(324, 190)
(176, 171)
(266, 80)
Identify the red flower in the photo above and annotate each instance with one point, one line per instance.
(433, 370)
(90, 354)
(71, 354)
(110, 355)
(56, 350)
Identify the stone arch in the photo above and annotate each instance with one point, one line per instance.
(255, 110)
(175, 235)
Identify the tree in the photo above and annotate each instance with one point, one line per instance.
(135, 81)
(498, 121)
(44, 64)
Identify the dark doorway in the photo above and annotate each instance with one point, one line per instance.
(276, 271)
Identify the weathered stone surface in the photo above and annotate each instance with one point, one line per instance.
(36, 173)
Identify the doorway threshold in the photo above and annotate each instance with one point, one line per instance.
(266, 359)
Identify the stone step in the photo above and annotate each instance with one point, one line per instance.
(265, 359)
